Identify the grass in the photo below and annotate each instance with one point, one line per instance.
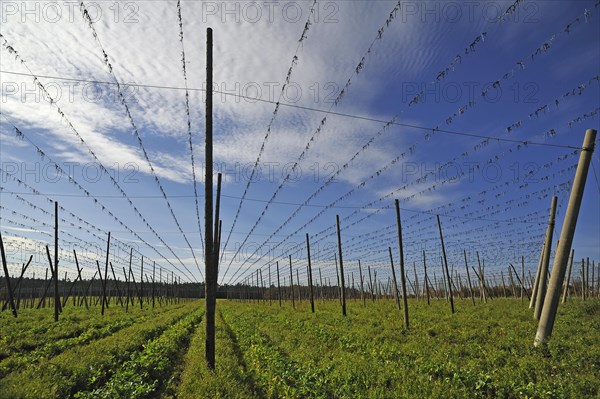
(264, 351)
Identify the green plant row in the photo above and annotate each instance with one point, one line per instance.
(276, 373)
(36, 327)
(52, 347)
(149, 369)
(84, 367)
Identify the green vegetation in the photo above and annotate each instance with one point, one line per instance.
(264, 351)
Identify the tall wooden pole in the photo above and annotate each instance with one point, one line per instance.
(342, 288)
(565, 242)
(362, 285)
(469, 278)
(292, 283)
(426, 278)
(210, 273)
(56, 298)
(522, 277)
(402, 274)
(534, 288)
(566, 287)
(396, 296)
(217, 223)
(481, 280)
(11, 299)
(446, 265)
(310, 279)
(278, 284)
(153, 283)
(105, 273)
(541, 289)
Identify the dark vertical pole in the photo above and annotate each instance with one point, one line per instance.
(371, 284)
(446, 265)
(299, 286)
(337, 277)
(362, 291)
(153, 282)
(210, 273)
(469, 278)
(105, 274)
(426, 278)
(417, 288)
(481, 280)
(11, 299)
(402, 273)
(120, 299)
(270, 291)
(522, 277)
(396, 296)
(292, 283)
(278, 284)
(217, 223)
(321, 283)
(56, 298)
(343, 288)
(141, 283)
(310, 286)
(128, 293)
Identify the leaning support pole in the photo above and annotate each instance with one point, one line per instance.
(534, 288)
(342, 288)
(541, 289)
(565, 242)
(210, 272)
(446, 265)
(469, 278)
(566, 288)
(426, 278)
(11, 299)
(402, 274)
(105, 274)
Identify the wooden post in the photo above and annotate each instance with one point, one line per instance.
(417, 288)
(566, 240)
(426, 278)
(371, 284)
(299, 286)
(402, 273)
(57, 307)
(141, 293)
(469, 278)
(292, 283)
(310, 283)
(128, 293)
(481, 279)
(446, 265)
(11, 299)
(534, 287)
(566, 287)
(522, 277)
(210, 270)
(541, 291)
(362, 280)
(587, 277)
(396, 296)
(343, 288)
(278, 284)
(337, 277)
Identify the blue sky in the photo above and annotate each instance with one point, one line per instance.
(436, 69)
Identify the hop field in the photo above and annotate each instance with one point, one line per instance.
(264, 351)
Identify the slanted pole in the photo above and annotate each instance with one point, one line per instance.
(548, 314)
